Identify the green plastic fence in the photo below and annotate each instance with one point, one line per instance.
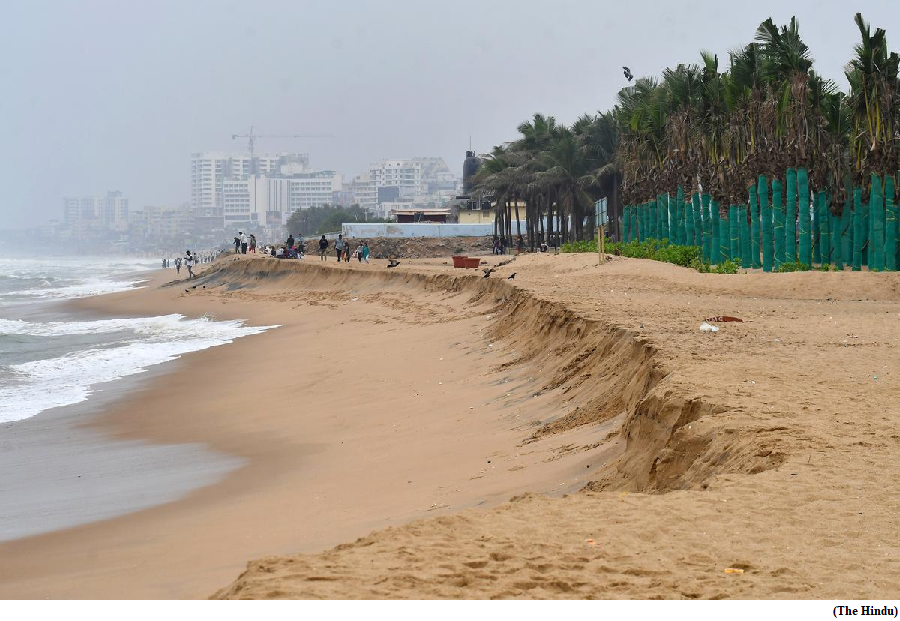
(890, 225)
(790, 217)
(777, 223)
(765, 215)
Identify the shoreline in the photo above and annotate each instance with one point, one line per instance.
(405, 407)
(284, 452)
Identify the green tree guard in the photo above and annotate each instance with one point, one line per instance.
(635, 226)
(816, 224)
(654, 220)
(765, 214)
(790, 218)
(626, 224)
(734, 234)
(803, 213)
(858, 224)
(753, 212)
(706, 222)
(777, 223)
(824, 243)
(725, 238)
(847, 223)
(663, 204)
(867, 232)
(890, 225)
(698, 219)
(834, 228)
(715, 229)
(673, 219)
(678, 237)
(689, 222)
(876, 207)
(744, 219)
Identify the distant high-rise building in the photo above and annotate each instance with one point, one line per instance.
(209, 170)
(100, 212)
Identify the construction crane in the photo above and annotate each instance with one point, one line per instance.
(251, 137)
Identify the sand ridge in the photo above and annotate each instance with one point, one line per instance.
(412, 403)
(771, 439)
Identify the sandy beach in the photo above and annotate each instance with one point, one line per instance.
(384, 428)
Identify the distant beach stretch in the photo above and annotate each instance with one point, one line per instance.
(568, 433)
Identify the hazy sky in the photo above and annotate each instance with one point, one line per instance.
(117, 95)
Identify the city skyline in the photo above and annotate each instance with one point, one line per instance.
(107, 95)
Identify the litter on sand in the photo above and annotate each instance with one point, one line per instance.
(723, 319)
(733, 570)
(705, 327)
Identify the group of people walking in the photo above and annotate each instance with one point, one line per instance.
(244, 243)
(342, 250)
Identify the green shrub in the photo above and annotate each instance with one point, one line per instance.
(727, 267)
(793, 266)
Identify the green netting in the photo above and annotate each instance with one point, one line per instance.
(715, 229)
(777, 223)
(815, 231)
(803, 216)
(725, 238)
(890, 225)
(689, 222)
(753, 210)
(698, 219)
(824, 242)
(765, 216)
(790, 217)
(744, 230)
(876, 208)
(654, 219)
(707, 228)
(734, 233)
(663, 206)
(867, 232)
(678, 236)
(834, 228)
(673, 219)
(858, 229)
(847, 224)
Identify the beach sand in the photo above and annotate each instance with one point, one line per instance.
(644, 457)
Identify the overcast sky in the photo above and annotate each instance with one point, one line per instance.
(102, 95)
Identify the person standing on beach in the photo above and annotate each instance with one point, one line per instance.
(290, 241)
(253, 243)
(339, 247)
(365, 252)
(243, 243)
(189, 263)
(237, 243)
(323, 249)
(177, 265)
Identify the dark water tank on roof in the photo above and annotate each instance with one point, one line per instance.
(470, 167)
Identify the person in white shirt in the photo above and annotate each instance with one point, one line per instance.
(189, 263)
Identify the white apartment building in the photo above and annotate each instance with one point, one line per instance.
(269, 201)
(210, 169)
(313, 189)
(109, 212)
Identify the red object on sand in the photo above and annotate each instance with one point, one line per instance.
(459, 260)
(472, 262)
(723, 319)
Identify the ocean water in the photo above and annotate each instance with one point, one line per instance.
(49, 359)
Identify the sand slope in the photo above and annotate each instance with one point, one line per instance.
(401, 409)
(767, 447)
